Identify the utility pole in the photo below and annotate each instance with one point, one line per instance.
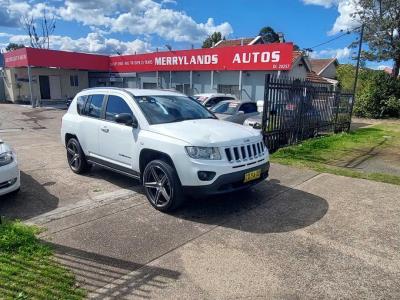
(358, 58)
(357, 71)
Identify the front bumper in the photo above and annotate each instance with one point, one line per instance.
(228, 183)
(9, 178)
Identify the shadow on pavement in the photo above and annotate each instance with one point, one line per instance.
(95, 271)
(115, 178)
(32, 200)
(258, 210)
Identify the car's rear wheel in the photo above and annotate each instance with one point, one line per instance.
(76, 158)
(162, 186)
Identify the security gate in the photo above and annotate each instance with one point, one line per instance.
(295, 110)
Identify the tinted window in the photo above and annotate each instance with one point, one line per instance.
(80, 104)
(171, 108)
(228, 108)
(93, 106)
(249, 108)
(116, 105)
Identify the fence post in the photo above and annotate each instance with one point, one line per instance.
(337, 102)
(264, 113)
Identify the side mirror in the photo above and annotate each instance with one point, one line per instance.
(126, 119)
(240, 112)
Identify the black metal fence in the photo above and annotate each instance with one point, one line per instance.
(295, 110)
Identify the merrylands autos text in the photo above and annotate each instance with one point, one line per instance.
(212, 59)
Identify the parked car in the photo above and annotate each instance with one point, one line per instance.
(209, 100)
(169, 142)
(9, 172)
(235, 111)
(254, 122)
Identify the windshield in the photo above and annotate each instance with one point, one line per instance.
(227, 108)
(168, 109)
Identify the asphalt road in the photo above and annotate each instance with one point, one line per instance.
(299, 235)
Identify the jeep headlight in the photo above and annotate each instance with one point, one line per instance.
(203, 152)
(6, 158)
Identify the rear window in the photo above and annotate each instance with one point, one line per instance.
(80, 104)
(93, 106)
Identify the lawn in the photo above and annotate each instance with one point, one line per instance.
(28, 269)
(338, 153)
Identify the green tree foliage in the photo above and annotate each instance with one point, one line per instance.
(378, 97)
(212, 40)
(382, 30)
(377, 94)
(13, 46)
(269, 35)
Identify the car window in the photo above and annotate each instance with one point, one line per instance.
(227, 98)
(116, 105)
(93, 106)
(228, 108)
(159, 109)
(80, 104)
(211, 102)
(248, 108)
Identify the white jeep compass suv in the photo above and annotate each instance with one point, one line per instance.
(174, 145)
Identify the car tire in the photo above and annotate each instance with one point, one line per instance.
(76, 158)
(162, 185)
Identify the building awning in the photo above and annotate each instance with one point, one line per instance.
(261, 57)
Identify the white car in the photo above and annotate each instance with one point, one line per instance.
(169, 142)
(209, 99)
(9, 172)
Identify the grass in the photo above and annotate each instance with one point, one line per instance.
(28, 269)
(336, 153)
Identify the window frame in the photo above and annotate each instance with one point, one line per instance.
(247, 103)
(88, 101)
(105, 108)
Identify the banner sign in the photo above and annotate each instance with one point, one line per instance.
(56, 59)
(268, 57)
(255, 57)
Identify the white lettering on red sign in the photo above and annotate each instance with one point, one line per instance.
(187, 60)
(256, 57)
(15, 58)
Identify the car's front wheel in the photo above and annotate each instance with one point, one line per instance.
(75, 156)
(162, 186)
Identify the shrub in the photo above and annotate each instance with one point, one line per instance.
(378, 97)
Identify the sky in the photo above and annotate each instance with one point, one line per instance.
(129, 26)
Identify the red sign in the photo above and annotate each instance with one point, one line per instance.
(57, 59)
(254, 57)
(16, 58)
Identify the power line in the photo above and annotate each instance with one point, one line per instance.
(333, 39)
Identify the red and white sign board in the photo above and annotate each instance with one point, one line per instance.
(57, 59)
(274, 57)
(256, 57)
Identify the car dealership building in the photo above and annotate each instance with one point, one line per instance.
(230, 67)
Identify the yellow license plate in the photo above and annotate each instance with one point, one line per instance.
(252, 175)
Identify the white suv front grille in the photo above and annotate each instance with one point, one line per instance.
(244, 152)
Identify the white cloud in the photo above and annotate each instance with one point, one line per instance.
(345, 21)
(341, 53)
(141, 17)
(137, 17)
(324, 3)
(346, 8)
(4, 34)
(92, 43)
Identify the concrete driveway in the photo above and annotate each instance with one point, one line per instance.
(299, 235)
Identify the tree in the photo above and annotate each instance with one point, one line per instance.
(382, 30)
(269, 35)
(14, 46)
(46, 28)
(212, 40)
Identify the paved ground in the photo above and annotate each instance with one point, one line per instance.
(299, 235)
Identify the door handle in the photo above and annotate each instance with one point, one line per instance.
(105, 129)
